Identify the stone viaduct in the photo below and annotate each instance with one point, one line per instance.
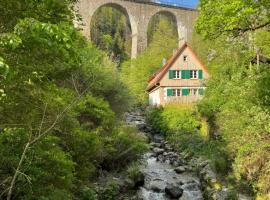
(139, 14)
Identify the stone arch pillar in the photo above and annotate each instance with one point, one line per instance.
(142, 38)
(182, 34)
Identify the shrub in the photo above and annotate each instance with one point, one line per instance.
(87, 193)
(123, 146)
(109, 191)
(46, 166)
(174, 119)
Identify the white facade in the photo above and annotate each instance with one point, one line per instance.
(154, 98)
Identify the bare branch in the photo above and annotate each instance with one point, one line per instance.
(42, 121)
(17, 171)
(243, 30)
(74, 84)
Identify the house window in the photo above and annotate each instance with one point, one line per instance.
(195, 91)
(176, 74)
(193, 74)
(176, 92)
(184, 58)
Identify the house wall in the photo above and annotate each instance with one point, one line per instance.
(154, 97)
(179, 64)
(164, 99)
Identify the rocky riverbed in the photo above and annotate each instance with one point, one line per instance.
(166, 175)
(172, 176)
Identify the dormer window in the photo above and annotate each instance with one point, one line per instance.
(185, 58)
(194, 74)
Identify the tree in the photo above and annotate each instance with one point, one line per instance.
(232, 17)
(111, 32)
(236, 101)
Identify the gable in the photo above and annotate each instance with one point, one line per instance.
(191, 63)
(176, 62)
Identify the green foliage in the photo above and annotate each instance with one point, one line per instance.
(173, 119)
(136, 72)
(45, 163)
(95, 113)
(154, 25)
(121, 148)
(234, 17)
(52, 11)
(232, 196)
(87, 194)
(111, 32)
(134, 172)
(237, 98)
(63, 96)
(262, 42)
(109, 192)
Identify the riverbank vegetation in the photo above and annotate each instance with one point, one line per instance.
(61, 102)
(236, 102)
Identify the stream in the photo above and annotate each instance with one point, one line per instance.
(166, 175)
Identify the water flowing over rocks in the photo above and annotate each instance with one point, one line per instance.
(166, 175)
(172, 176)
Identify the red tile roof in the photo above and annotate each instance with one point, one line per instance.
(157, 76)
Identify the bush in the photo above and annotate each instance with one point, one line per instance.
(123, 146)
(45, 163)
(109, 191)
(87, 193)
(174, 119)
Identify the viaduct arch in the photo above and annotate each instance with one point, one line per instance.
(139, 14)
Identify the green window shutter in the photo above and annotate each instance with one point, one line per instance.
(200, 74)
(183, 74)
(170, 74)
(187, 74)
(201, 91)
(169, 92)
(185, 92)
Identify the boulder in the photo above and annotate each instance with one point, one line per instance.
(158, 138)
(158, 151)
(173, 191)
(208, 175)
(191, 196)
(160, 158)
(192, 186)
(139, 180)
(157, 186)
(180, 169)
